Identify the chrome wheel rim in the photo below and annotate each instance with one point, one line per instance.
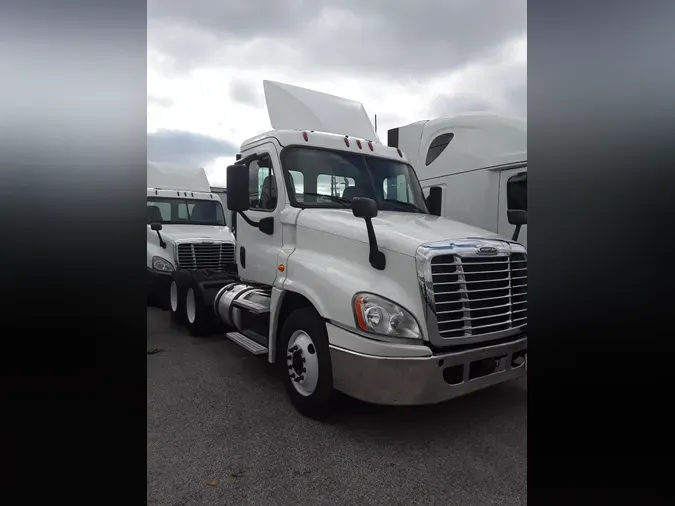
(191, 306)
(173, 296)
(302, 363)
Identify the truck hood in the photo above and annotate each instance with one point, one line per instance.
(399, 232)
(173, 233)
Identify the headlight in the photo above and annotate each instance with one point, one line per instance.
(377, 315)
(162, 265)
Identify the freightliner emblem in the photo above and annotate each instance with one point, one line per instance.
(487, 250)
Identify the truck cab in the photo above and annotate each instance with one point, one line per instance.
(348, 282)
(188, 242)
(470, 160)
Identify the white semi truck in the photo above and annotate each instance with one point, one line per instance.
(190, 250)
(347, 282)
(466, 164)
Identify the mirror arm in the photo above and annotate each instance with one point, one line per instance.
(161, 241)
(516, 232)
(248, 220)
(162, 244)
(266, 225)
(376, 257)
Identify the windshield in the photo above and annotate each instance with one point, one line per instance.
(185, 211)
(324, 178)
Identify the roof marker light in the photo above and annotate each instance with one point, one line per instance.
(305, 136)
(358, 143)
(347, 140)
(370, 145)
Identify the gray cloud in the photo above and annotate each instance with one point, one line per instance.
(163, 102)
(517, 99)
(449, 105)
(393, 37)
(247, 93)
(186, 148)
(515, 103)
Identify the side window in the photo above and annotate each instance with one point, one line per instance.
(262, 185)
(437, 146)
(184, 210)
(333, 185)
(397, 188)
(298, 184)
(158, 211)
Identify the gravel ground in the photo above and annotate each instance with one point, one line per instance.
(221, 431)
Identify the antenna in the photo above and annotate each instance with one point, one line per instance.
(376, 123)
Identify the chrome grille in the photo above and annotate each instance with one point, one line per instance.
(479, 295)
(212, 256)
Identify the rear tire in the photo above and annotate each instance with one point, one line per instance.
(196, 316)
(304, 358)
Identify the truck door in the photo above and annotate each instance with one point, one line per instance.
(257, 252)
(505, 228)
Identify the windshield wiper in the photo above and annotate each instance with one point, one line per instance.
(405, 204)
(334, 198)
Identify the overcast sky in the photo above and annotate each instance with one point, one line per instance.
(404, 60)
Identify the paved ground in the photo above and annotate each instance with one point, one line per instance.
(221, 431)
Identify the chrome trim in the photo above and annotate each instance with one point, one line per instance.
(200, 240)
(378, 337)
(463, 248)
(413, 381)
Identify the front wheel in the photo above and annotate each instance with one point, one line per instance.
(177, 302)
(305, 358)
(196, 318)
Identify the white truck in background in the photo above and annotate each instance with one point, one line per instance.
(190, 250)
(347, 282)
(466, 164)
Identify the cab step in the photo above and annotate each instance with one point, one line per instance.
(247, 343)
(254, 307)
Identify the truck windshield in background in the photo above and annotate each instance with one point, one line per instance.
(185, 211)
(324, 178)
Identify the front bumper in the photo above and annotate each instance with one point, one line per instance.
(428, 379)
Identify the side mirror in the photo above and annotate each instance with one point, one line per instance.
(516, 199)
(516, 217)
(435, 200)
(516, 202)
(156, 226)
(237, 188)
(364, 208)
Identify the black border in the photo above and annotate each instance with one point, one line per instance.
(73, 187)
(73, 220)
(600, 290)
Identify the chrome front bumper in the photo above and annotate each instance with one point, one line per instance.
(428, 379)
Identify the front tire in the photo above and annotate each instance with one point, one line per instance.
(304, 356)
(177, 302)
(196, 317)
